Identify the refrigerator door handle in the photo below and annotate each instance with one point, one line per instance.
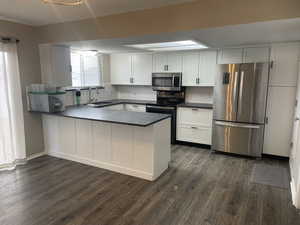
(235, 89)
(241, 91)
(239, 125)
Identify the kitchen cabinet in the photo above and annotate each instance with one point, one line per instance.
(230, 56)
(142, 69)
(284, 69)
(121, 69)
(55, 65)
(167, 62)
(256, 54)
(199, 68)
(194, 125)
(243, 55)
(208, 68)
(143, 152)
(131, 69)
(190, 68)
(278, 129)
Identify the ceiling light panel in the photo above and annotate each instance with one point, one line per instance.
(170, 46)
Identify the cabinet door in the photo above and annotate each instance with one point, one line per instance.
(67, 135)
(51, 133)
(120, 68)
(84, 139)
(285, 65)
(208, 68)
(280, 111)
(160, 61)
(253, 55)
(61, 66)
(230, 56)
(174, 62)
(102, 141)
(190, 68)
(142, 69)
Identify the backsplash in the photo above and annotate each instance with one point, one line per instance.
(199, 94)
(136, 92)
(109, 92)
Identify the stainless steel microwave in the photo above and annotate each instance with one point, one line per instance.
(166, 81)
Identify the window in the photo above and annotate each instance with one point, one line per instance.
(86, 69)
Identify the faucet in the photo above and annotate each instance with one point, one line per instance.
(91, 99)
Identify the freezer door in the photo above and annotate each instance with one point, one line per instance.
(226, 92)
(238, 138)
(253, 84)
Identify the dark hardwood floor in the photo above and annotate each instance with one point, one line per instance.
(200, 188)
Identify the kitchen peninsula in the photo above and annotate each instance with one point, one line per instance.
(128, 142)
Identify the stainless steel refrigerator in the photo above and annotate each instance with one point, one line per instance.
(240, 98)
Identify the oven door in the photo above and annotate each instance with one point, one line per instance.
(166, 82)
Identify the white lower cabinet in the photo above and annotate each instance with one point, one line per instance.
(194, 125)
(143, 152)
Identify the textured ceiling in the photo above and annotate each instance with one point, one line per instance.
(35, 12)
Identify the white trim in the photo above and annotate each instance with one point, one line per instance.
(103, 165)
(37, 155)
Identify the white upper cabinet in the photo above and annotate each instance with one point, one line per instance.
(56, 65)
(232, 55)
(142, 68)
(120, 68)
(190, 68)
(243, 55)
(199, 68)
(167, 62)
(131, 69)
(284, 71)
(257, 54)
(160, 62)
(207, 68)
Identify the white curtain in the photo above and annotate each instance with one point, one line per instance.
(12, 135)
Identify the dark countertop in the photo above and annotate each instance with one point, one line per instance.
(142, 119)
(196, 105)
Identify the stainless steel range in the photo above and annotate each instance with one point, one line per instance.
(166, 103)
(240, 97)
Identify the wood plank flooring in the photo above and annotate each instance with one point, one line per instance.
(199, 188)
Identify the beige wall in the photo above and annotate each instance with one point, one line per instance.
(188, 16)
(30, 72)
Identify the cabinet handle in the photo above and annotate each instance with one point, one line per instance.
(195, 109)
(195, 128)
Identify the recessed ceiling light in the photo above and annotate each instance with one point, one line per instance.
(170, 46)
(65, 2)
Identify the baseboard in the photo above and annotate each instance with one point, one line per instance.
(103, 165)
(36, 155)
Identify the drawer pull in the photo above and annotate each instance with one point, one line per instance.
(196, 128)
(195, 109)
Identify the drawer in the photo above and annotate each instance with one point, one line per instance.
(195, 116)
(194, 134)
(135, 107)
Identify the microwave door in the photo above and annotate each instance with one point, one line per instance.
(226, 92)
